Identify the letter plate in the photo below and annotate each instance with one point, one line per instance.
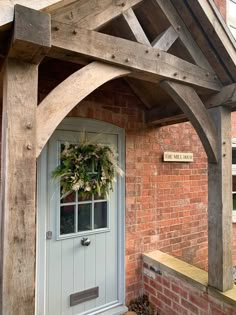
(83, 296)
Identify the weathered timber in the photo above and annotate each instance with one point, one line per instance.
(166, 39)
(194, 109)
(93, 14)
(32, 34)
(202, 40)
(216, 33)
(226, 97)
(60, 101)
(184, 35)
(140, 88)
(161, 115)
(151, 66)
(18, 188)
(135, 27)
(7, 8)
(220, 205)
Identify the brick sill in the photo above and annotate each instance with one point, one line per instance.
(192, 275)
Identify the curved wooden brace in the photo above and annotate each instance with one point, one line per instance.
(190, 103)
(61, 100)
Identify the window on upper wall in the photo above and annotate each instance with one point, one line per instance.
(231, 16)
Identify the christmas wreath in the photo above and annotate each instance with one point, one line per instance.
(87, 168)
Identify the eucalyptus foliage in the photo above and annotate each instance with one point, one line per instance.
(87, 168)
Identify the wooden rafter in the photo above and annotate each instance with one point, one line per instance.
(166, 39)
(144, 62)
(135, 27)
(93, 14)
(194, 109)
(184, 35)
(226, 98)
(61, 100)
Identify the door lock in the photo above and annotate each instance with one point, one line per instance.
(85, 241)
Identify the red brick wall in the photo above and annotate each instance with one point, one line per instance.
(171, 295)
(165, 202)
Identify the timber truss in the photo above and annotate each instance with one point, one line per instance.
(155, 46)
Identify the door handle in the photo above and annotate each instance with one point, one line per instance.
(85, 241)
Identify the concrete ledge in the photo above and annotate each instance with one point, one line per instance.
(194, 276)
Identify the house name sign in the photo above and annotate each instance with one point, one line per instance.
(178, 157)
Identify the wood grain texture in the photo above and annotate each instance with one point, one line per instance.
(151, 66)
(226, 97)
(184, 35)
(7, 8)
(93, 14)
(166, 39)
(68, 94)
(18, 188)
(194, 109)
(220, 205)
(135, 27)
(220, 37)
(200, 36)
(170, 114)
(140, 88)
(32, 34)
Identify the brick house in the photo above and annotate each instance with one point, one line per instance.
(164, 204)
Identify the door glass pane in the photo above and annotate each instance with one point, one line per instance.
(100, 215)
(67, 220)
(97, 197)
(84, 217)
(84, 197)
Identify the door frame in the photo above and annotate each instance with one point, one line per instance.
(89, 125)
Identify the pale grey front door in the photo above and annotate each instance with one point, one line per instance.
(83, 270)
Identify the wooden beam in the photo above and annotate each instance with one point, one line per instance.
(220, 205)
(194, 109)
(18, 188)
(93, 14)
(226, 97)
(140, 88)
(144, 62)
(216, 31)
(184, 35)
(170, 114)
(200, 35)
(166, 39)
(7, 8)
(32, 35)
(68, 94)
(167, 114)
(135, 27)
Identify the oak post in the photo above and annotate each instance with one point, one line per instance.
(220, 205)
(30, 42)
(18, 187)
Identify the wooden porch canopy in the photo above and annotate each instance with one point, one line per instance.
(177, 56)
